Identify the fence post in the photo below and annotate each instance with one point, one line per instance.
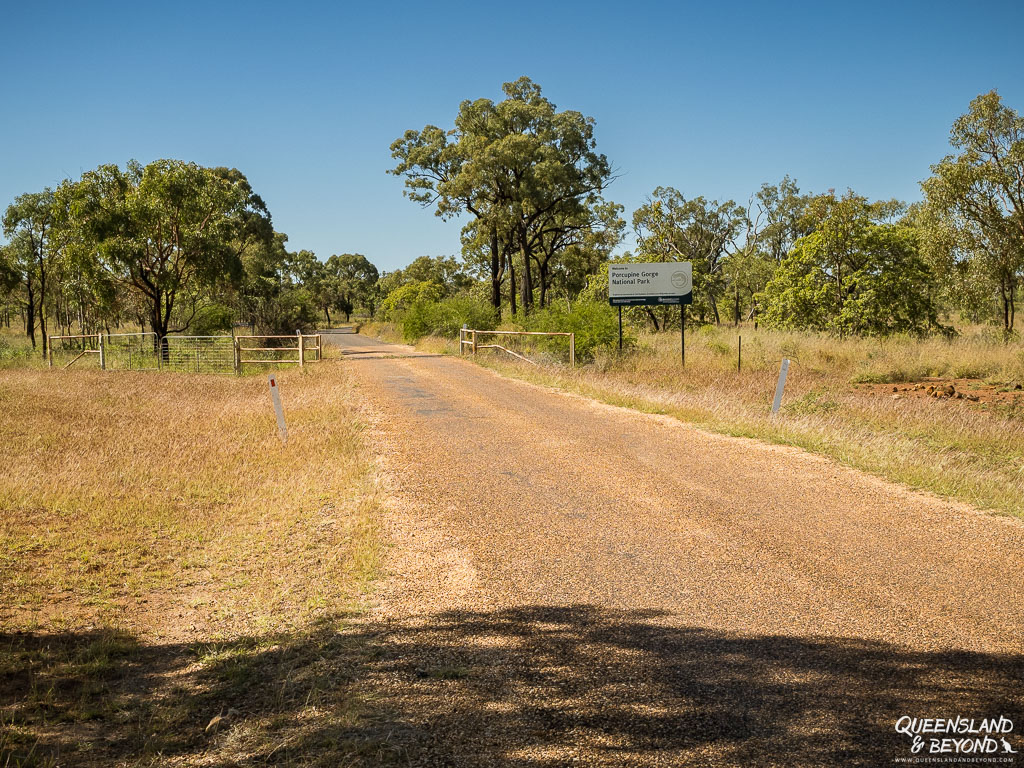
(103, 353)
(572, 349)
(49, 352)
(235, 345)
(301, 351)
(474, 343)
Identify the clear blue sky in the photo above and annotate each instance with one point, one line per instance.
(305, 98)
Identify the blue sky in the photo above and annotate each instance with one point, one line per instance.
(305, 98)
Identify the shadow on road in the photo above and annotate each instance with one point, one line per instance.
(533, 686)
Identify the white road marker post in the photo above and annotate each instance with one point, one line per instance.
(780, 386)
(276, 397)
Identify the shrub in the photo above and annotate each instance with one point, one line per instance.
(595, 324)
(400, 300)
(212, 320)
(446, 317)
(12, 355)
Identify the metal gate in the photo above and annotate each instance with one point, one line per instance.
(197, 354)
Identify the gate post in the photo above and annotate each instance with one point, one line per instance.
(103, 353)
(474, 343)
(572, 349)
(302, 355)
(235, 345)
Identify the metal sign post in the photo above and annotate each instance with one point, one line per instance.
(282, 430)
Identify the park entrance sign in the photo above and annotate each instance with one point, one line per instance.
(648, 284)
(631, 285)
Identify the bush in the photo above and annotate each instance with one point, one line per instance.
(595, 324)
(402, 299)
(212, 320)
(12, 355)
(446, 317)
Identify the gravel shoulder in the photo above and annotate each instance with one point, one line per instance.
(569, 581)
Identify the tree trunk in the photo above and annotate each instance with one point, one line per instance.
(30, 313)
(527, 276)
(327, 311)
(512, 284)
(736, 309)
(1013, 304)
(159, 323)
(1006, 303)
(542, 275)
(653, 317)
(495, 271)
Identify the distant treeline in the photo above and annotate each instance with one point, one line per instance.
(174, 247)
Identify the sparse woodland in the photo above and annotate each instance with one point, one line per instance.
(174, 247)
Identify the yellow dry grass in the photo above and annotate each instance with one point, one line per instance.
(164, 558)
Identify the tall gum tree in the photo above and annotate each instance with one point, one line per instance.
(510, 164)
(30, 221)
(170, 230)
(979, 191)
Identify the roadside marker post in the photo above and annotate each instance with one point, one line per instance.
(780, 386)
(278, 410)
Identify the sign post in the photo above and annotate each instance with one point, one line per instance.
(652, 284)
(282, 430)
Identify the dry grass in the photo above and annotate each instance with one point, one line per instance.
(968, 451)
(166, 559)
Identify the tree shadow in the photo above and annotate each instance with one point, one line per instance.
(531, 686)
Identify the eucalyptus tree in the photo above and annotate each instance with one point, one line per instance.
(859, 271)
(509, 164)
(783, 209)
(570, 245)
(350, 279)
(979, 192)
(704, 232)
(170, 231)
(29, 221)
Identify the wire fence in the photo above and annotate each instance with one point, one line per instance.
(187, 354)
(130, 352)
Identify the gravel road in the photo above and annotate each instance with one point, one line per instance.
(570, 583)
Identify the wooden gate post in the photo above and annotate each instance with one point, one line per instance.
(236, 346)
(474, 343)
(302, 356)
(103, 353)
(572, 349)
